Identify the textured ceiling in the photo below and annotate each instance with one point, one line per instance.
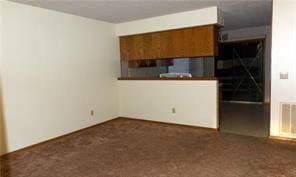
(237, 13)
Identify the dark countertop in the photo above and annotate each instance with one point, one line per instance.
(163, 78)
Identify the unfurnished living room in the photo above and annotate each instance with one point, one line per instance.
(153, 88)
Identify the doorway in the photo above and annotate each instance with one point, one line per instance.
(240, 68)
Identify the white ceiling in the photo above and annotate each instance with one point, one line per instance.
(237, 13)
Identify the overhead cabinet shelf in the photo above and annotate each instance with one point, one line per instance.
(188, 42)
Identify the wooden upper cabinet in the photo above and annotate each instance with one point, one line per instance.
(125, 48)
(137, 48)
(187, 42)
(132, 47)
(204, 41)
(147, 46)
(156, 46)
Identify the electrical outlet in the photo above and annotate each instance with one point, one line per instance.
(173, 110)
(92, 112)
(284, 75)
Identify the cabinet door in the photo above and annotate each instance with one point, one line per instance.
(188, 45)
(203, 41)
(178, 43)
(147, 46)
(165, 46)
(172, 44)
(156, 46)
(124, 43)
(137, 48)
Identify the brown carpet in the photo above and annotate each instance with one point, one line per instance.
(129, 148)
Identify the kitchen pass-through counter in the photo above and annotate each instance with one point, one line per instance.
(189, 101)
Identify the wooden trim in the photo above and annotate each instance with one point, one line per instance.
(266, 103)
(170, 124)
(279, 138)
(58, 137)
(174, 78)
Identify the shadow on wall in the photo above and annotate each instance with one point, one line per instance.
(4, 159)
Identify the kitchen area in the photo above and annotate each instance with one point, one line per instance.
(179, 74)
(168, 76)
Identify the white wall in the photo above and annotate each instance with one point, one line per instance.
(283, 58)
(255, 33)
(180, 65)
(2, 131)
(195, 101)
(55, 68)
(205, 16)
